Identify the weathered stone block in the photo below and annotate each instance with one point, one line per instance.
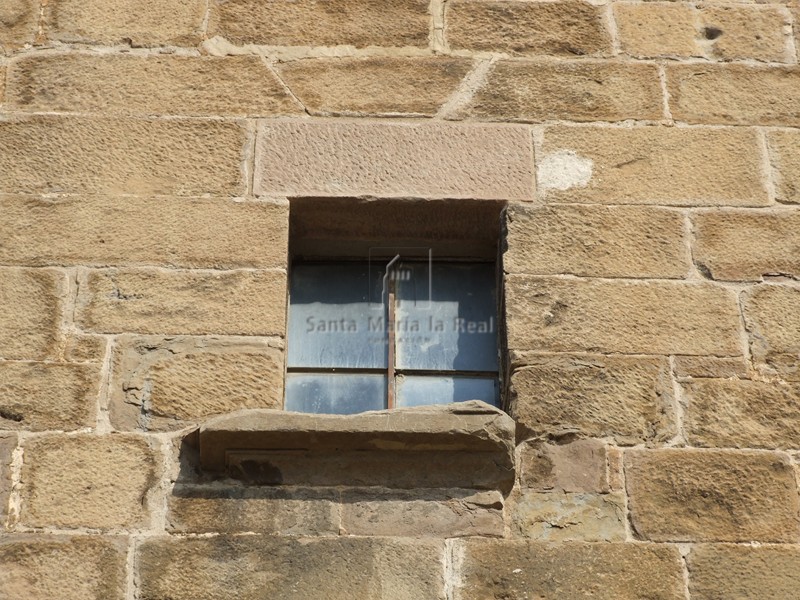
(631, 317)
(629, 399)
(85, 348)
(772, 318)
(97, 482)
(147, 85)
(567, 28)
(596, 241)
(648, 30)
(746, 32)
(531, 91)
(735, 94)
(423, 513)
(38, 567)
(41, 396)
(745, 246)
(8, 443)
(579, 466)
(374, 86)
(358, 23)
(517, 570)
(183, 302)
(200, 509)
(161, 384)
(712, 495)
(652, 165)
(18, 20)
(331, 158)
(30, 312)
(741, 413)
(711, 366)
(44, 154)
(558, 517)
(174, 232)
(785, 151)
(735, 571)
(274, 567)
(136, 22)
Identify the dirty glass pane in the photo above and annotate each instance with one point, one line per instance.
(418, 390)
(338, 394)
(337, 316)
(446, 317)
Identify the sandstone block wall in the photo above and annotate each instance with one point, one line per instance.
(649, 153)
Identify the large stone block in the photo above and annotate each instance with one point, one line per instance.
(147, 85)
(579, 466)
(532, 91)
(30, 312)
(183, 302)
(173, 232)
(735, 94)
(652, 165)
(746, 32)
(162, 384)
(519, 570)
(136, 22)
(630, 317)
(566, 28)
(39, 567)
(785, 150)
(280, 567)
(596, 241)
(745, 246)
(45, 154)
(91, 481)
(629, 399)
(8, 443)
(648, 30)
(331, 158)
(18, 19)
(712, 495)
(736, 571)
(374, 86)
(358, 23)
(772, 318)
(41, 396)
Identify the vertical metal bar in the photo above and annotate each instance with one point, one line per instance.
(391, 325)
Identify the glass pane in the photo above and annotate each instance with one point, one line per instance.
(419, 390)
(337, 394)
(337, 317)
(446, 317)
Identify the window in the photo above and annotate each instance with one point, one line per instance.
(374, 326)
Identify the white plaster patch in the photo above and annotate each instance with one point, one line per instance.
(563, 170)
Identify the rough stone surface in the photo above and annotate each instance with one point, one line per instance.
(629, 399)
(557, 517)
(137, 22)
(358, 23)
(98, 482)
(8, 443)
(648, 30)
(745, 246)
(741, 413)
(423, 513)
(200, 509)
(596, 241)
(734, 571)
(659, 165)
(785, 154)
(85, 348)
(772, 317)
(633, 317)
(712, 495)
(30, 312)
(183, 302)
(579, 466)
(711, 366)
(41, 396)
(746, 32)
(517, 570)
(18, 20)
(173, 232)
(278, 567)
(147, 85)
(38, 567)
(735, 94)
(160, 384)
(374, 86)
(531, 91)
(568, 28)
(121, 156)
(394, 160)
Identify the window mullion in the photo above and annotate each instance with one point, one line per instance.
(391, 341)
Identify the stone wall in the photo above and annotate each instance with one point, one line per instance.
(650, 156)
